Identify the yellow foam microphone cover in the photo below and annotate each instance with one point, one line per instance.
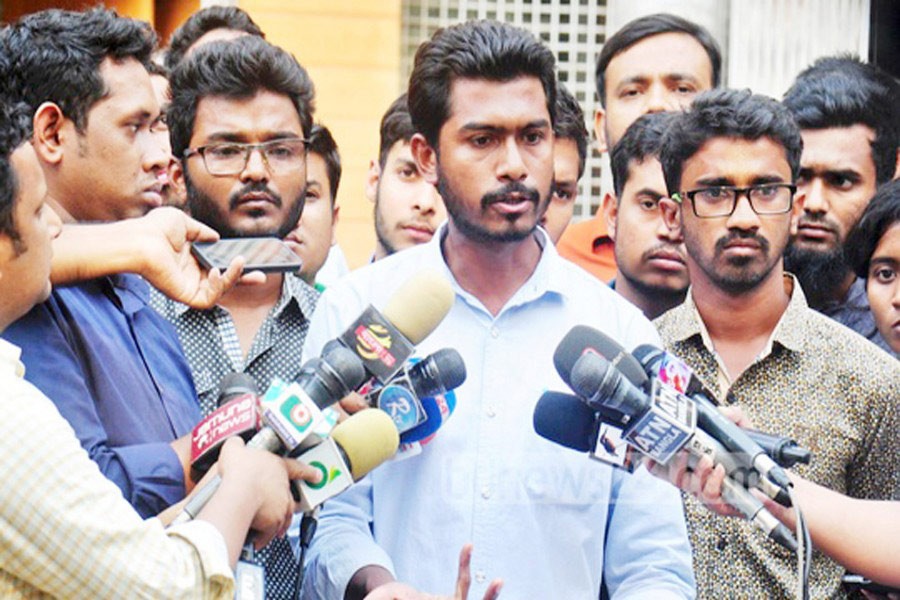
(419, 305)
(368, 438)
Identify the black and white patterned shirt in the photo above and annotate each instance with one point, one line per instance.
(211, 345)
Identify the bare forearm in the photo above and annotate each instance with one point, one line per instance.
(83, 252)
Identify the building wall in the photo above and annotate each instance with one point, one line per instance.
(351, 49)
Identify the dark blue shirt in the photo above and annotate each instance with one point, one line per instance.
(117, 373)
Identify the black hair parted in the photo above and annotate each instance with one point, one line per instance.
(842, 91)
(882, 212)
(644, 27)
(570, 123)
(55, 56)
(642, 140)
(322, 143)
(15, 130)
(396, 126)
(485, 49)
(738, 114)
(236, 69)
(202, 22)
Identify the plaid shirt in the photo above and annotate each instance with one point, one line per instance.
(67, 532)
(824, 386)
(212, 348)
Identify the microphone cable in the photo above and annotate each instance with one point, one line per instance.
(804, 548)
(308, 525)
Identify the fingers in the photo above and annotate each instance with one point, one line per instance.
(224, 281)
(493, 590)
(353, 402)
(195, 231)
(464, 577)
(300, 470)
(736, 414)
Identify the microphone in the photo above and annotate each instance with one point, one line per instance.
(664, 423)
(784, 451)
(581, 339)
(404, 397)
(237, 414)
(290, 414)
(356, 446)
(385, 340)
(735, 439)
(566, 420)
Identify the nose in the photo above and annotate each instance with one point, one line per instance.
(665, 234)
(659, 99)
(816, 200)
(743, 217)
(511, 167)
(256, 168)
(157, 152)
(426, 199)
(51, 220)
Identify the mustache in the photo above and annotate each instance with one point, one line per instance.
(254, 187)
(663, 248)
(741, 235)
(510, 189)
(818, 219)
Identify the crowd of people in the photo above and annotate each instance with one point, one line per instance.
(756, 239)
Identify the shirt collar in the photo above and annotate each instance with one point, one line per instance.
(292, 288)
(546, 278)
(789, 332)
(10, 363)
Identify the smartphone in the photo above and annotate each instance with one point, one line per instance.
(853, 583)
(267, 254)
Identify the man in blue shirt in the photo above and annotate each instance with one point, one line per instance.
(113, 366)
(545, 520)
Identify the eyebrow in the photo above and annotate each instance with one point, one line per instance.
(230, 136)
(884, 260)
(536, 124)
(727, 182)
(850, 174)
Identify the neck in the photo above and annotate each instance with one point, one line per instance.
(252, 297)
(490, 271)
(652, 303)
(744, 316)
(60, 210)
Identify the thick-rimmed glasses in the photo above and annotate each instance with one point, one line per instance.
(720, 201)
(230, 158)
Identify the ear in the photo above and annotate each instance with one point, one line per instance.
(600, 129)
(372, 178)
(51, 130)
(671, 214)
(796, 211)
(335, 217)
(176, 180)
(897, 165)
(425, 157)
(610, 209)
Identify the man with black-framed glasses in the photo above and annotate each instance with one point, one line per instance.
(730, 164)
(240, 117)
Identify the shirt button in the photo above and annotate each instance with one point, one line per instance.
(495, 333)
(480, 577)
(491, 412)
(485, 492)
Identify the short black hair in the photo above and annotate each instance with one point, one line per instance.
(202, 22)
(644, 27)
(841, 91)
(15, 130)
(55, 56)
(487, 50)
(642, 140)
(322, 143)
(570, 123)
(738, 114)
(396, 126)
(236, 69)
(882, 212)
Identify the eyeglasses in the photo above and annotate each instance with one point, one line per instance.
(230, 158)
(720, 201)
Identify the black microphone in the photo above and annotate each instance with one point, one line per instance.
(566, 420)
(783, 450)
(581, 339)
(408, 396)
(731, 436)
(664, 423)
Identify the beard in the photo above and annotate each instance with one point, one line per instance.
(737, 276)
(820, 273)
(475, 230)
(203, 208)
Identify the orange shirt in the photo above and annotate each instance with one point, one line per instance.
(588, 245)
